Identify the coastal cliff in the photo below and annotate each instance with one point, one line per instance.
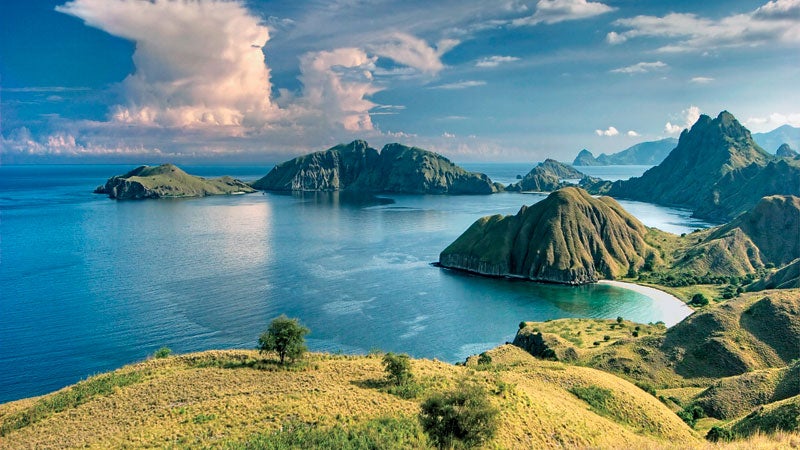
(357, 167)
(569, 237)
(168, 181)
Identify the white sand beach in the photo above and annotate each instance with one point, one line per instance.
(660, 297)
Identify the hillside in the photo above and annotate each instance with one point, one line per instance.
(548, 176)
(784, 134)
(786, 151)
(644, 153)
(358, 167)
(167, 181)
(230, 399)
(585, 158)
(569, 237)
(717, 170)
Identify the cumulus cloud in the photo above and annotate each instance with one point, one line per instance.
(448, 135)
(690, 116)
(494, 61)
(197, 64)
(701, 80)
(554, 11)
(414, 52)
(642, 67)
(460, 85)
(632, 133)
(610, 131)
(775, 22)
(774, 120)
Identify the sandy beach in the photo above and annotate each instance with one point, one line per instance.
(658, 296)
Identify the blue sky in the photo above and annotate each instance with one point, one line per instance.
(260, 81)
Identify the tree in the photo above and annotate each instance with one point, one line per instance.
(398, 368)
(699, 299)
(463, 416)
(285, 336)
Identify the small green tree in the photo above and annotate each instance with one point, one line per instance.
(398, 368)
(699, 299)
(463, 417)
(284, 336)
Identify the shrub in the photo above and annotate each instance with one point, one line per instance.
(690, 414)
(398, 368)
(699, 300)
(606, 338)
(484, 359)
(463, 417)
(635, 333)
(619, 319)
(595, 396)
(647, 387)
(163, 352)
(716, 434)
(285, 336)
(521, 325)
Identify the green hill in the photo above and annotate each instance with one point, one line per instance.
(358, 167)
(569, 237)
(548, 176)
(168, 181)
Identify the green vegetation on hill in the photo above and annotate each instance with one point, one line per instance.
(360, 168)
(548, 176)
(166, 181)
(643, 153)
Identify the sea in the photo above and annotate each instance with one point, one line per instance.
(88, 284)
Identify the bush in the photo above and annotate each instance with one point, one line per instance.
(647, 387)
(606, 338)
(484, 359)
(717, 434)
(690, 414)
(463, 417)
(699, 300)
(163, 352)
(398, 368)
(521, 325)
(286, 337)
(595, 396)
(619, 319)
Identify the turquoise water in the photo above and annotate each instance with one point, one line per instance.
(88, 284)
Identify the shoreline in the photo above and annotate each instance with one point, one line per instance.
(657, 295)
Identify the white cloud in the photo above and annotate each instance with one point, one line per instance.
(701, 80)
(642, 67)
(632, 133)
(448, 135)
(414, 52)
(690, 116)
(494, 61)
(774, 22)
(460, 85)
(554, 11)
(774, 120)
(186, 74)
(610, 131)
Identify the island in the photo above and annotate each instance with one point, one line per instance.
(168, 181)
(357, 167)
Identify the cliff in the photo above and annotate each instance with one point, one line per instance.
(569, 237)
(358, 167)
(167, 181)
(716, 169)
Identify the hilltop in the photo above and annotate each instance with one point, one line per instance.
(168, 181)
(717, 170)
(569, 237)
(550, 175)
(358, 167)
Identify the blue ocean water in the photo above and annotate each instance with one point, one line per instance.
(88, 284)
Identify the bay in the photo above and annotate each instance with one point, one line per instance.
(89, 284)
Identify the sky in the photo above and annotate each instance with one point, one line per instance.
(148, 81)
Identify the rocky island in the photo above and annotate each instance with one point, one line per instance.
(357, 167)
(643, 153)
(550, 175)
(168, 181)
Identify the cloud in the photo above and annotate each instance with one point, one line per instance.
(554, 11)
(701, 80)
(186, 74)
(460, 85)
(45, 89)
(632, 133)
(690, 116)
(448, 135)
(774, 22)
(642, 67)
(610, 131)
(774, 120)
(494, 61)
(414, 52)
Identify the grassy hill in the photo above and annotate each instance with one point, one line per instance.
(168, 180)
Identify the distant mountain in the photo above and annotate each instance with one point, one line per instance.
(644, 153)
(358, 167)
(786, 151)
(771, 140)
(570, 237)
(716, 169)
(167, 181)
(547, 176)
(585, 158)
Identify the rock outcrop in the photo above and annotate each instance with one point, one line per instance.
(359, 168)
(585, 158)
(168, 181)
(716, 169)
(548, 176)
(569, 237)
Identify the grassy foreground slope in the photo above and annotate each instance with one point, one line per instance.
(229, 398)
